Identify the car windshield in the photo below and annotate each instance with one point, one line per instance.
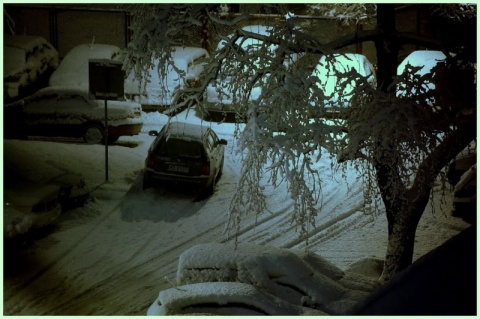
(180, 148)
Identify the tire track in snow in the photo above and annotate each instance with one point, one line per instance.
(168, 260)
(63, 255)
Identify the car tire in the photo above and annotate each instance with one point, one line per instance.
(94, 134)
(146, 182)
(220, 170)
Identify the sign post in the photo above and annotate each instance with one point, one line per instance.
(105, 82)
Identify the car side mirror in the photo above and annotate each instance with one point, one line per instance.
(153, 133)
(222, 142)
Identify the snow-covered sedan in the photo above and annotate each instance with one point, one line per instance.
(66, 112)
(185, 153)
(28, 62)
(160, 90)
(28, 205)
(17, 160)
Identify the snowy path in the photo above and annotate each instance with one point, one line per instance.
(113, 256)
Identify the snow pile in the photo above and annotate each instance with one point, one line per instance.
(299, 278)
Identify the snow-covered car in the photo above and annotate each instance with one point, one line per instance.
(28, 62)
(418, 63)
(30, 205)
(461, 163)
(465, 196)
(160, 89)
(66, 112)
(185, 153)
(219, 96)
(254, 279)
(73, 189)
(224, 299)
(461, 173)
(331, 71)
(73, 69)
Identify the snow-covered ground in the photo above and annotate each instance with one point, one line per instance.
(116, 253)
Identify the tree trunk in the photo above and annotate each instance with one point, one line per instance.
(401, 241)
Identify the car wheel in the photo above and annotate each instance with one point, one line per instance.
(220, 170)
(146, 182)
(93, 134)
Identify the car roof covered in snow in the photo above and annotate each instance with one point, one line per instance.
(184, 55)
(182, 129)
(73, 70)
(426, 59)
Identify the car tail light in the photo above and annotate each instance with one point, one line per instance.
(205, 168)
(151, 162)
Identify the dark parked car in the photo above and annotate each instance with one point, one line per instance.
(65, 112)
(185, 153)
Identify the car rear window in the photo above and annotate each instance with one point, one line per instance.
(179, 147)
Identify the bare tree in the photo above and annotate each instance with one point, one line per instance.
(400, 144)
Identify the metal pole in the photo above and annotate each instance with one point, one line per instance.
(106, 142)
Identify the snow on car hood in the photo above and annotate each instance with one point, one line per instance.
(24, 194)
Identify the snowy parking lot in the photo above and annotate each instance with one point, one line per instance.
(113, 255)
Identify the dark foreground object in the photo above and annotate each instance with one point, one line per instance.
(443, 282)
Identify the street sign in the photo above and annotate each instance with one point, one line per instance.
(106, 79)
